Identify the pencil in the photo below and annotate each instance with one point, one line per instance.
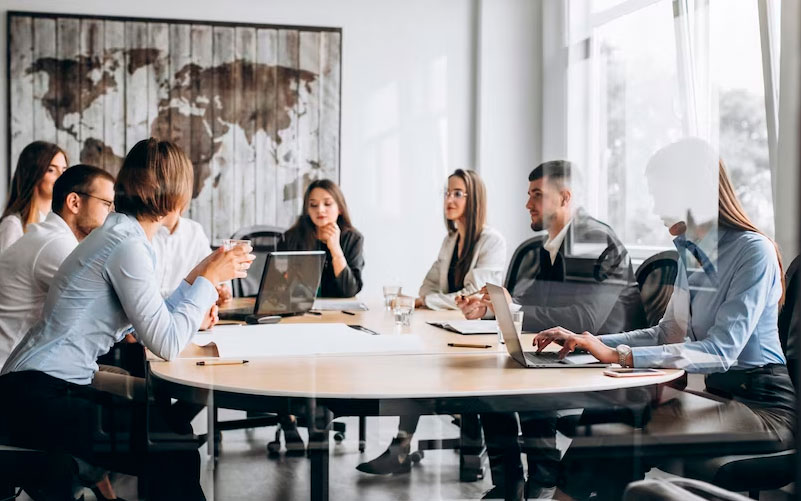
(222, 362)
(468, 345)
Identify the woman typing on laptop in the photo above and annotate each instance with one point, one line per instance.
(722, 316)
(106, 287)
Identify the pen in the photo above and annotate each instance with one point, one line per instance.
(222, 362)
(471, 295)
(467, 345)
(348, 313)
(314, 313)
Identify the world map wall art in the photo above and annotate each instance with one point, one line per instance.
(256, 107)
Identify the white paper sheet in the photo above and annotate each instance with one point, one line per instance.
(469, 326)
(322, 304)
(303, 339)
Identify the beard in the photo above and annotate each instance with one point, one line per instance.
(538, 226)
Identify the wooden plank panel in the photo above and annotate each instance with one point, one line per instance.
(223, 160)
(137, 57)
(93, 87)
(244, 140)
(200, 97)
(286, 126)
(69, 101)
(44, 87)
(158, 81)
(177, 104)
(21, 122)
(266, 146)
(309, 112)
(114, 149)
(330, 58)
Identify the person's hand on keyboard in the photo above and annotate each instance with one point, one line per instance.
(570, 341)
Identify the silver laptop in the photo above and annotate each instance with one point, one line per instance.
(544, 359)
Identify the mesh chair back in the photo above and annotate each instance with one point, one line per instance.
(789, 320)
(264, 239)
(524, 254)
(655, 278)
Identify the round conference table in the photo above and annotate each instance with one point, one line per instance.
(438, 380)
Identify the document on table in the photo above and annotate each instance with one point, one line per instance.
(279, 340)
(469, 326)
(322, 304)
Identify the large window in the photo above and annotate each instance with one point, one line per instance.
(643, 73)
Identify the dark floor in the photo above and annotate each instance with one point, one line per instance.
(244, 471)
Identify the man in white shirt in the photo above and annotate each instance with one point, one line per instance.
(180, 244)
(82, 198)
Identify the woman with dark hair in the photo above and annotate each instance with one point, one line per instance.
(325, 225)
(106, 288)
(38, 167)
(471, 255)
(721, 319)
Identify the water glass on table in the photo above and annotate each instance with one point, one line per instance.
(517, 318)
(231, 243)
(390, 293)
(403, 308)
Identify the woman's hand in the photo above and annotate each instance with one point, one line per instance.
(419, 303)
(222, 265)
(329, 235)
(570, 341)
(211, 318)
(472, 307)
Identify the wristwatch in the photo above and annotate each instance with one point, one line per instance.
(623, 352)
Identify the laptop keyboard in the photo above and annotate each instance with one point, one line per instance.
(543, 358)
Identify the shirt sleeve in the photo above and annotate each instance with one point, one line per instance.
(163, 329)
(751, 290)
(349, 281)
(10, 231)
(489, 267)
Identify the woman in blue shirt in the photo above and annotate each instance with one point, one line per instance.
(103, 289)
(722, 317)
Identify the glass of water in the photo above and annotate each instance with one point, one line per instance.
(231, 243)
(390, 293)
(517, 318)
(402, 308)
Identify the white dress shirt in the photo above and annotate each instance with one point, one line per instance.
(177, 253)
(554, 244)
(26, 271)
(11, 229)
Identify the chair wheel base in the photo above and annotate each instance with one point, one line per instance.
(274, 448)
(339, 437)
(417, 456)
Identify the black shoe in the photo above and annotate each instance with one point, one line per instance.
(294, 444)
(390, 461)
(500, 492)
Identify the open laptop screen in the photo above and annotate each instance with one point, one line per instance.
(289, 283)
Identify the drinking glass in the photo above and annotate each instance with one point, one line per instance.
(390, 293)
(403, 307)
(230, 243)
(517, 319)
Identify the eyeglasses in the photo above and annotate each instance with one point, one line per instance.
(108, 203)
(456, 194)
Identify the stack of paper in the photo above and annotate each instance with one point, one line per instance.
(303, 339)
(469, 326)
(338, 305)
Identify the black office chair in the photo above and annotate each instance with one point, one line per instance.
(264, 239)
(761, 472)
(655, 278)
(524, 254)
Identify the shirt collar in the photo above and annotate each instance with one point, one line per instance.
(552, 245)
(57, 221)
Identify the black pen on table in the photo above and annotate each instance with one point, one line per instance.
(348, 313)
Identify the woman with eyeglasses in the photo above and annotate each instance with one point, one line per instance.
(38, 167)
(471, 255)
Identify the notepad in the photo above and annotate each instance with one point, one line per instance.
(469, 326)
(321, 304)
(282, 340)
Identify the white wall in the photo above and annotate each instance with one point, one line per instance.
(408, 101)
(510, 110)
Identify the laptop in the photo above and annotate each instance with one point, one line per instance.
(288, 286)
(530, 359)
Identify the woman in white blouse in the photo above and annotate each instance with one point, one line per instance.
(38, 167)
(472, 253)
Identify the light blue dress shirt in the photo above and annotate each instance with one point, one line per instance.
(722, 315)
(106, 286)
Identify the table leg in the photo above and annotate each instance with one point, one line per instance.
(319, 420)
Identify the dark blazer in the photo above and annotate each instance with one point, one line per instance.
(589, 287)
(349, 281)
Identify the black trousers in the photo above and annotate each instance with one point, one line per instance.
(503, 447)
(47, 413)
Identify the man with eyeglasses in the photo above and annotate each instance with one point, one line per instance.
(82, 198)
